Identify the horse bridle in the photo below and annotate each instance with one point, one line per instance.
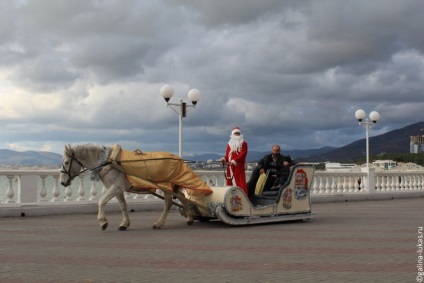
(68, 172)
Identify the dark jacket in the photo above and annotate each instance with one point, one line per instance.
(268, 164)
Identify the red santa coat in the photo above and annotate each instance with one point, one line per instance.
(236, 175)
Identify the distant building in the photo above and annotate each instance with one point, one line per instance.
(340, 166)
(385, 164)
(416, 144)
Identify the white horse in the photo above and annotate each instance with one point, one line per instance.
(81, 158)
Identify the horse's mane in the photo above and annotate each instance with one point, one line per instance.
(90, 150)
(93, 153)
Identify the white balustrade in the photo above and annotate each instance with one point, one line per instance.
(38, 186)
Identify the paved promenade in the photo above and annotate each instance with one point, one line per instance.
(368, 241)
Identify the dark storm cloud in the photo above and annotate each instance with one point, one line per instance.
(289, 72)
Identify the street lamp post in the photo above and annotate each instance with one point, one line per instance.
(368, 124)
(180, 108)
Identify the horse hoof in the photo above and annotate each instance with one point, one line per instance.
(189, 222)
(104, 226)
(122, 228)
(156, 227)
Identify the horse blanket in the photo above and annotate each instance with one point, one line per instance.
(147, 171)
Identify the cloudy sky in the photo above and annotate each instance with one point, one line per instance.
(287, 72)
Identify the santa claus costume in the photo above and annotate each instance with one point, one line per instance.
(235, 157)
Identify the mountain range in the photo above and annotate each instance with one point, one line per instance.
(29, 158)
(396, 141)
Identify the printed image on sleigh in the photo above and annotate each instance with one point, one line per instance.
(231, 204)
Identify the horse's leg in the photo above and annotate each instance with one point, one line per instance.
(186, 207)
(125, 217)
(166, 207)
(101, 217)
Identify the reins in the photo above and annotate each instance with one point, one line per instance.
(83, 169)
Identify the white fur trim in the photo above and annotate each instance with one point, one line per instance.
(235, 131)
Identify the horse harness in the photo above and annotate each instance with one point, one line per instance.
(83, 169)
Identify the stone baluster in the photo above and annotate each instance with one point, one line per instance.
(339, 184)
(43, 190)
(56, 191)
(320, 187)
(327, 186)
(335, 184)
(362, 185)
(10, 194)
(406, 183)
(415, 182)
(377, 183)
(93, 191)
(358, 184)
(345, 184)
(352, 184)
(412, 183)
(398, 183)
(383, 183)
(392, 183)
(68, 193)
(81, 189)
(403, 183)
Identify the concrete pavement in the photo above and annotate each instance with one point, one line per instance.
(367, 241)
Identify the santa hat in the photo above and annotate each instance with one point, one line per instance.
(235, 130)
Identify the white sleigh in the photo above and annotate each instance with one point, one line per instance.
(232, 206)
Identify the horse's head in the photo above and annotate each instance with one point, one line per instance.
(71, 166)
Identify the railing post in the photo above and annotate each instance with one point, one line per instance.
(27, 189)
(369, 180)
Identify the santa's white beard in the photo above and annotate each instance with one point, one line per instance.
(236, 142)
